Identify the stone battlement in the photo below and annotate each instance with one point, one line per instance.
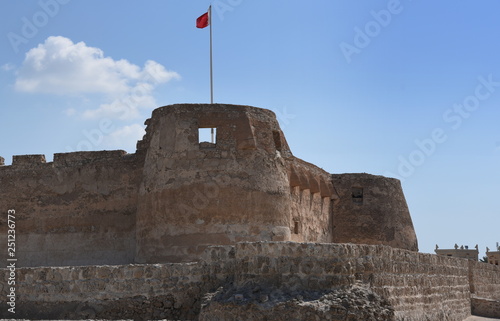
(178, 194)
(28, 160)
(64, 159)
(79, 158)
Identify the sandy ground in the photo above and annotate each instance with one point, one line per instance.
(473, 318)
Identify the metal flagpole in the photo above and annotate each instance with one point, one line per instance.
(211, 69)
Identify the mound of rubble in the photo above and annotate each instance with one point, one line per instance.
(356, 303)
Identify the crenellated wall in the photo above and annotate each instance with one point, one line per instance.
(78, 210)
(177, 195)
(312, 196)
(416, 286)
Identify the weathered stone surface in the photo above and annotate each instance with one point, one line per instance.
(485, 280)
(485, 307)
(176, 195)
(29, 161)
(192, 197)
(354, 303)
(302, 277)
(311, 192)
(485, 285)
(78, 210)
(372, 210)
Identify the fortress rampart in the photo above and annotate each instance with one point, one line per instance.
(237, 228)
(177, 195)
(79, 209)
(415, 286)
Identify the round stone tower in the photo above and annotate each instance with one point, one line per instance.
(198, 192)
(372, 210)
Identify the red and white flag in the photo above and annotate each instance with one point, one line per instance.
(203, 21)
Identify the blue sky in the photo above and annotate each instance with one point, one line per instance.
(407, 89)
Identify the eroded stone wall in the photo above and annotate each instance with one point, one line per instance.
(485, 307)
(372, 210)
(312, 193)
(198, 194)
(485, 280)
(416, 286)
(176, 195)
(136, 292)
(78, 210)
(485, 289)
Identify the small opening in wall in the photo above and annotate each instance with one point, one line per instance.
(207, 137)
(357, 195)
(296, 227)
(277, 140)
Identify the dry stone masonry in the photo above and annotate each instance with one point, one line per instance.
(311, 281)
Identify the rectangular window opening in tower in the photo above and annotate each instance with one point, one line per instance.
(357, 195)
(207, 137)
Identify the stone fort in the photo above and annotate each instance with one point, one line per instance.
(175, 195)
(232, 229)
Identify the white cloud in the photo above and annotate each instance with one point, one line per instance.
(127, 107)
(8, 67)
(59, 66)
(124, 138)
